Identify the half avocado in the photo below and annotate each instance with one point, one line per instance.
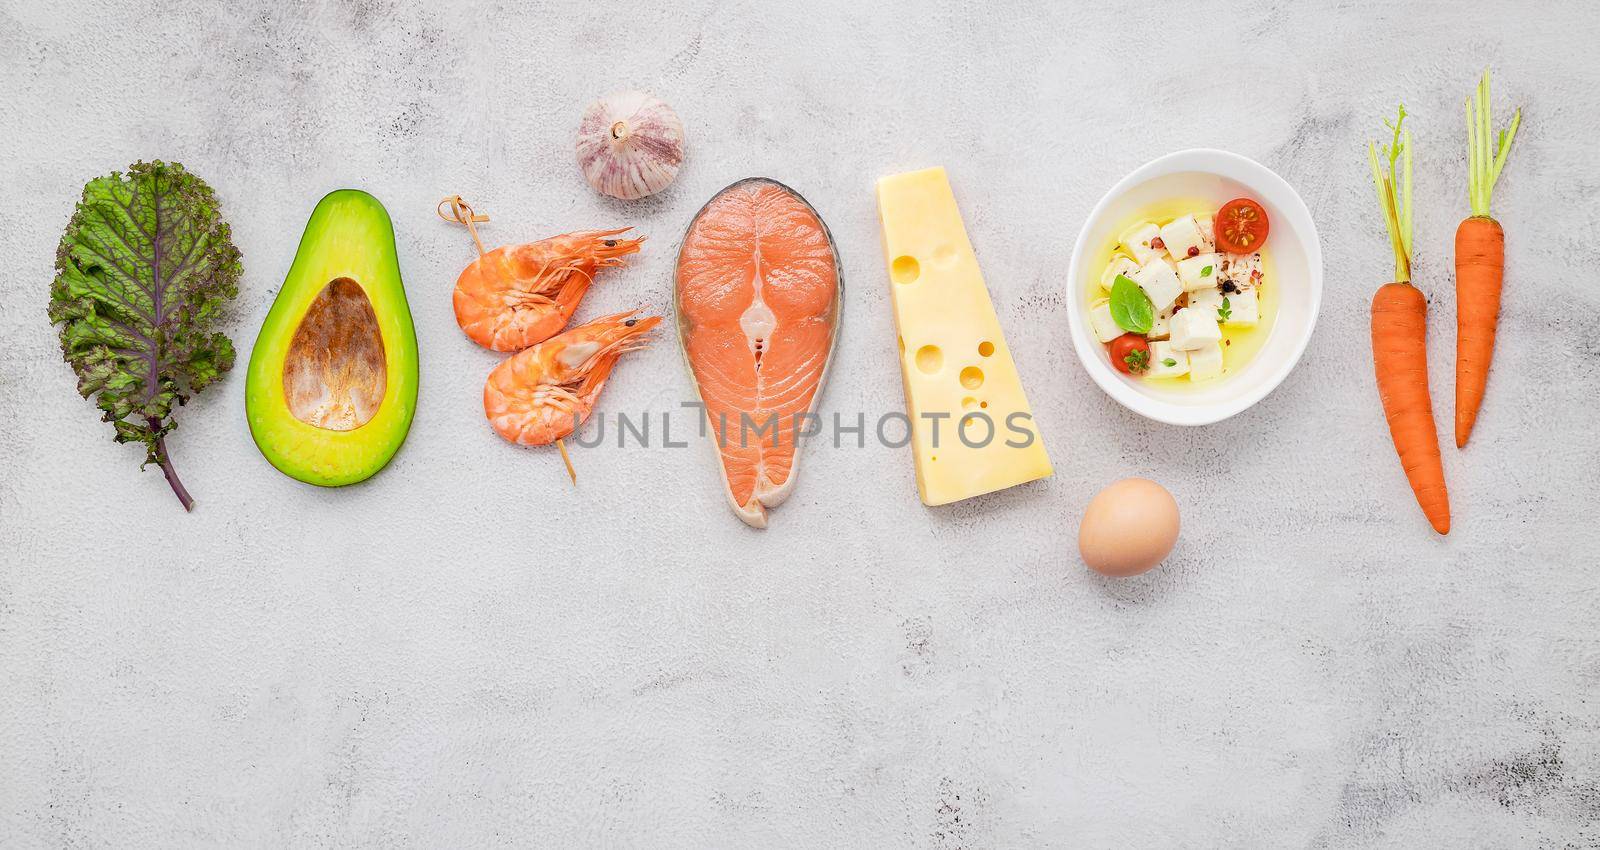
(333, 376)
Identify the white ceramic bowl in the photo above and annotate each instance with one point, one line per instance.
(1212, 176)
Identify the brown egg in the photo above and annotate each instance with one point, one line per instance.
(1128, 528)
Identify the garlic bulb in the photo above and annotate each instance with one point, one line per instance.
(630, 145)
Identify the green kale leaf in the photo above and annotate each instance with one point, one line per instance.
(143, 273)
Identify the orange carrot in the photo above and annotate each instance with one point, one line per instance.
(1400, 355)
(1399, 339)
(1480, 268)
(1480, 261)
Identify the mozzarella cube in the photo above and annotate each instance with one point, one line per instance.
(1161, 325)
(1208, 233)
(1136, 241)
(1105, 327)
(1244, 309)
(1160, 354)
(1199, 272)
(1192, 329)
(1205, 362)
(1120, 265)
(1182, 237)
(1208, 301)
(1159, 280)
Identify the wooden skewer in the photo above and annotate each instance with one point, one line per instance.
(571, 473)
(462, 213)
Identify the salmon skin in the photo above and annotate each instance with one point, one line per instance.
(759, 289)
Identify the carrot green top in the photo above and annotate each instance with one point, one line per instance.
(1483, 167)
(1394, 191)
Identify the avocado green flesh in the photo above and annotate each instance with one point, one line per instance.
(332, 385)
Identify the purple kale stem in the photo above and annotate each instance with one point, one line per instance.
(167, 470)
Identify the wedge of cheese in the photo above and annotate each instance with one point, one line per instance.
(972, 431)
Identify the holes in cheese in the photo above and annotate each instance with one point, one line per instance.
(905, 269)
(976, 429)
(972, 377)
(930, 359)
(985, 348)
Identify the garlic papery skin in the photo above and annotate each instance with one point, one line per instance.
(630, 145)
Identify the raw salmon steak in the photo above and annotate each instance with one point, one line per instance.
(758, 300)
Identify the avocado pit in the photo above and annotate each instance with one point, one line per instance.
(335, 374)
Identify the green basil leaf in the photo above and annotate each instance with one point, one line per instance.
(1205, 272)
(1130, 307)
(1169, 362)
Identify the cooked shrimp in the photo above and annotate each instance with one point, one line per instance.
(544, 393)
(521, 295)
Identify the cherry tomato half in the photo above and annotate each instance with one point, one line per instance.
(1241, 226)
(1130, 353)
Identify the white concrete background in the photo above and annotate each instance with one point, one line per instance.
(466, 651)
